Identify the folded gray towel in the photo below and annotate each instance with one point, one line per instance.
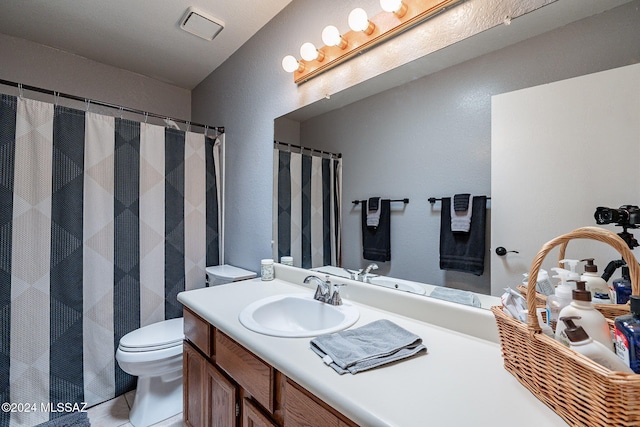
(377, 343)
(456, 295)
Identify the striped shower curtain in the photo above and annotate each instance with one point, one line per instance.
(102, 222)
(307, 201)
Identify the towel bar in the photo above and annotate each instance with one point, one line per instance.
(405, 201)
(432, 200)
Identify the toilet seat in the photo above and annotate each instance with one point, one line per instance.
(157, 336)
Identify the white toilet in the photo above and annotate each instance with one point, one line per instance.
(153, 353)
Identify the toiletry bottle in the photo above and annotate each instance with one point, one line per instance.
(622, 287)
(560, 299)
(266, 269)
(601, 298)
(573, 275)
(627, 332)
(595, 283)
(593, 322)
(582, 343)
(543, 284)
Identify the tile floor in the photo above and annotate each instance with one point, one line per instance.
(115, 413)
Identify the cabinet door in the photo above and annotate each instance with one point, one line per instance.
(221, 398)
(252, 417)
(303, 410)
(194, 371)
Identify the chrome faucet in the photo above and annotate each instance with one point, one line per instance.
(363, 274)
(324, 290)
(352, 274)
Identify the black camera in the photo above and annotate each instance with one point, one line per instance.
(625, 216)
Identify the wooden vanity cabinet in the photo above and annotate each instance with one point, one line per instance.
(226, 385)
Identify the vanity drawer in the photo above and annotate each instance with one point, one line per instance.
(198, 331)
(248, 370)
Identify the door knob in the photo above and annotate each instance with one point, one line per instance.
(501, 251)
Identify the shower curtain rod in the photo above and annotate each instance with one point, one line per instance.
(218, 129)
(301, 148)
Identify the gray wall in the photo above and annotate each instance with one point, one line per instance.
(250, 90)
(37, 65)
(432, 137)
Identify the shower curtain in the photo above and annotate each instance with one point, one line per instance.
(102, 222)
(307, 200)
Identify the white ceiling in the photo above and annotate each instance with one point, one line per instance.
(142, 36)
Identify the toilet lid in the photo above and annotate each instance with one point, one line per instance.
(156, 336)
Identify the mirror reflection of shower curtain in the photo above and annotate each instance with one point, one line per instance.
(307, 208)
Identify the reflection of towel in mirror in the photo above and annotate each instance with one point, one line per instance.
(456, 295)
(369, 346)
(463, 251)
(373, 212)
(376, 241)
(461, 218)
(461, 202)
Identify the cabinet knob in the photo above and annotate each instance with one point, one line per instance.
(501, 251)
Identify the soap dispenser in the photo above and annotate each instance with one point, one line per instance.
(560, 299)
(572, 263)
(622, 287)
(582, 343)
(595, 283)
(593, 322)
(627, 333)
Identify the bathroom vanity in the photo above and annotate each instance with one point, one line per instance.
(236, 377)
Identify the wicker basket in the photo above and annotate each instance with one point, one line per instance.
(610, 311)
(579, 390)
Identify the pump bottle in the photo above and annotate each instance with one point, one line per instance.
(622, 287)
(560, 299)
(593, 322)
(581, 342)
(627, 332)
(595, 283)
(572, 264)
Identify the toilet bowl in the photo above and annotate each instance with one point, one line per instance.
(153, 353)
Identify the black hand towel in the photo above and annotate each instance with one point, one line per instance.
(376, 241)
(463, 251)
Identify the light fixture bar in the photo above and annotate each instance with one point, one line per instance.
(387, 24)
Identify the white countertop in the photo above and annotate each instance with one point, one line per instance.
(460, 381)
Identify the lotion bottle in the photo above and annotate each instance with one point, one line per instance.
(572, 263)
(582, 343)
(595, 283)
(593, 322)
(627, 333)
(561, 298)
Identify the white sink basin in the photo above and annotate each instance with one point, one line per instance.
(401, 285)
(297, 315)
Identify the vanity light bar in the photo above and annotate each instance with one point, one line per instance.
(382, 27)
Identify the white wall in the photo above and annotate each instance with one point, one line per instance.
(37, 65)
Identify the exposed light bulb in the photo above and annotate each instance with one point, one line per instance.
(309, 52)
(395, 6)
(331, 37)
(359, 21)
(291, 64)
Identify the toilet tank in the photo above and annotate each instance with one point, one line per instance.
(221, 274)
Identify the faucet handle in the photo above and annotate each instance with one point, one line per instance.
(336, 299)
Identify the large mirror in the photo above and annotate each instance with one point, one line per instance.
(431, 137)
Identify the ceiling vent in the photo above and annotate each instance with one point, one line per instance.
(201, 24)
